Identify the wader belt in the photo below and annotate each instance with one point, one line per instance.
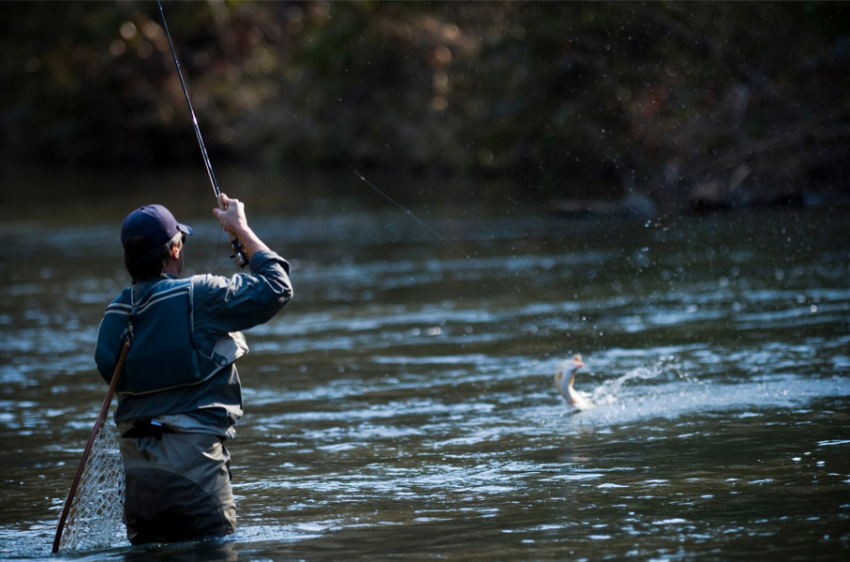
(148, 428)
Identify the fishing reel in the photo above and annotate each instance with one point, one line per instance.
(238, 252)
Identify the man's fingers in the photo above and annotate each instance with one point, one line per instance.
(227, 201)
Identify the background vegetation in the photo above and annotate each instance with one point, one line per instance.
(708, 104)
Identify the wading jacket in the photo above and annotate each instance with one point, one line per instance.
(185, 340)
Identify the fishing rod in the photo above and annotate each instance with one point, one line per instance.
(238, 250)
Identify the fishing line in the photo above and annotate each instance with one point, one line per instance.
(217, 248)
(431, 229)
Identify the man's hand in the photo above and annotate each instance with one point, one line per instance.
(231, 215)
(233, 220)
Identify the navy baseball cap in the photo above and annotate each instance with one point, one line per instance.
(150, 226)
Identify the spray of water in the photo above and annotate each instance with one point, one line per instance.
(607, 392)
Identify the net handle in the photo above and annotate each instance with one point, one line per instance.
(98, 424)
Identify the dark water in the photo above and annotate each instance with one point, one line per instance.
(403, 406)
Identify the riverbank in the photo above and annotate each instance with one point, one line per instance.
(702, 106)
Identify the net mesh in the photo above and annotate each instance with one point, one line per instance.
(95, 516)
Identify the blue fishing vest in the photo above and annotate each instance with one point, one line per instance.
(162, 353)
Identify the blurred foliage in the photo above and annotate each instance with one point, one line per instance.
(742, 100)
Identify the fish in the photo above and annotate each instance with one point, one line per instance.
(565, 376)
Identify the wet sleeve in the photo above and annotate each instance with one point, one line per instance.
(245, 300)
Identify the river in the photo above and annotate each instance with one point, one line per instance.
(403, 407)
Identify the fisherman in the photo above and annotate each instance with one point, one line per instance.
(179, 394)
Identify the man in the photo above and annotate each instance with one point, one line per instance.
(179, 394)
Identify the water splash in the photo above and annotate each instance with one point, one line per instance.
(607, 392)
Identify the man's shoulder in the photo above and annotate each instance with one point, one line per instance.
(207, 281)
(208, 289)
(123, 296)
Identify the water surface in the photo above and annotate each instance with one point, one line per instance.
(402, 406)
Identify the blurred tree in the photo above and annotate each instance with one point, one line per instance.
(722, 103)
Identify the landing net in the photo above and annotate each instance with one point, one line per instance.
(95, 518)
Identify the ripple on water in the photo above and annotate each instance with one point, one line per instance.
(404, 404)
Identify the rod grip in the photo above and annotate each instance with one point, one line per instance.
(238, 249)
